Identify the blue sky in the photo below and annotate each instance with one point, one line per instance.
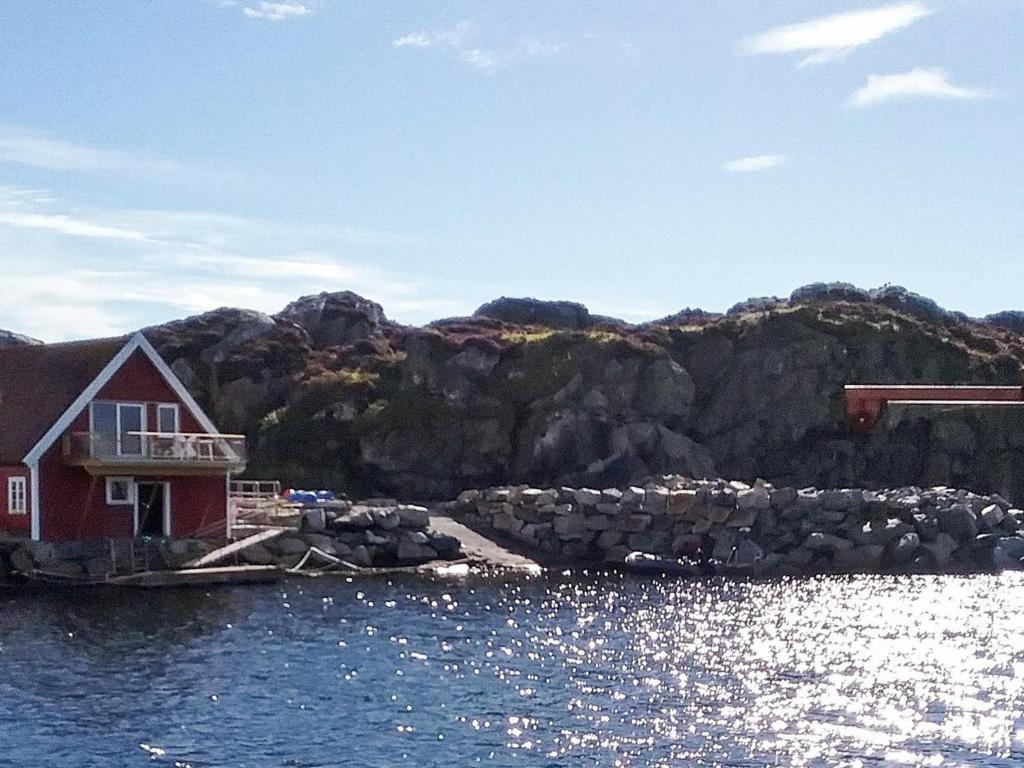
(162, 159)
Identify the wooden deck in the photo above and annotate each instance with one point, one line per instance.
(199, 577)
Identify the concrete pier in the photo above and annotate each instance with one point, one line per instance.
(481, 549)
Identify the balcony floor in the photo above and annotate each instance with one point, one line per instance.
(157, 468)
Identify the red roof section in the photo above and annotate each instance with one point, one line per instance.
(38, 382)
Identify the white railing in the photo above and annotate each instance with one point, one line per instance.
(255, 489)
(156, 447)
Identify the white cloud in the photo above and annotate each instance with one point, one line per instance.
(532, 48)
(459, 40)
(755, 163)
(277, 11)
(479, 59)
(68, 225)
(931, 83)
(831, 37)
(456, 37)
(92, 272)
(24, 147)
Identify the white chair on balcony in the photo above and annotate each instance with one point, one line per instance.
(184, 447)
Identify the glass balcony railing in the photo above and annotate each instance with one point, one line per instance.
(156, 449)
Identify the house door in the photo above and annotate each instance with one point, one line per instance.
(152, 509)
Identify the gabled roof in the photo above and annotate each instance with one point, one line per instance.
(39, 382)
(44, 387)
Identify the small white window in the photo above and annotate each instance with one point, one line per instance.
(120, 490)
(17, 498)
(167, 418)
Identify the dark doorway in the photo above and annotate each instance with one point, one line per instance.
(151, 499)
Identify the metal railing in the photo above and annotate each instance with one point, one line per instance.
(255, 489)
(156, 448)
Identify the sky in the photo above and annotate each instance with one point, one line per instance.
(158, 160)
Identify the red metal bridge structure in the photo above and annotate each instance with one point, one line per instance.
(864, 402)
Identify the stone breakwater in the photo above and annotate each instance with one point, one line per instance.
(371, 533)
(758, 529)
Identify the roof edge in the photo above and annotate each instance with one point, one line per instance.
(138, 342)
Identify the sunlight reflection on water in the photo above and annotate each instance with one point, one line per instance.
(603, 670)
(828, 669)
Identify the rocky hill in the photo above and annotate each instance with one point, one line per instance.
(332, 394)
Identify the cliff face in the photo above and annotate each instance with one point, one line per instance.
(333, 395)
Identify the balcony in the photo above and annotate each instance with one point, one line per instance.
(155, 453)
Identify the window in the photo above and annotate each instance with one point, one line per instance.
(17, 498)
(130, 418)
(112, 428)
(104, 430)
(120, 490)
(167, 418)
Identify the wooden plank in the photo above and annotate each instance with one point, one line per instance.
(233, 574)
(238, 546)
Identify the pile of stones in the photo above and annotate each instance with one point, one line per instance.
(94, 560)
(759, 529)
(370, 533)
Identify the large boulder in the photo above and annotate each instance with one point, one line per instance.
(828, 292)
(959, 521)
(335, 318)
(553, 314)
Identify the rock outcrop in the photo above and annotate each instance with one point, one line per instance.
(237, 362)
(551, 314)
(11, 339)
(335, 318)
(332, 395)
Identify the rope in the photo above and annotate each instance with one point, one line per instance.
(331, 559)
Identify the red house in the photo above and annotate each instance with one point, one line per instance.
(99, 439)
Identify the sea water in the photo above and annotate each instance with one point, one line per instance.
(561, 670)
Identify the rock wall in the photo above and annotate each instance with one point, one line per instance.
(94, 560)
(421, 413)
(760, 529)
(372, 533)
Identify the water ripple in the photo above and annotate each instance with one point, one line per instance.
(851, 671)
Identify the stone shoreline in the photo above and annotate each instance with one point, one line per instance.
(709, 526)
(370, 534)
(733, 527)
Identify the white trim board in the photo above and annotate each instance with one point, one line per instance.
(137, 342)
(34, 509)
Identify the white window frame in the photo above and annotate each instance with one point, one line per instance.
(173, 407)
(118, 405)
(17, 495)
(113, 502)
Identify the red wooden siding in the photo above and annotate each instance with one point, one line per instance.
(139, 381)
(73, 503)
(199, 507)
